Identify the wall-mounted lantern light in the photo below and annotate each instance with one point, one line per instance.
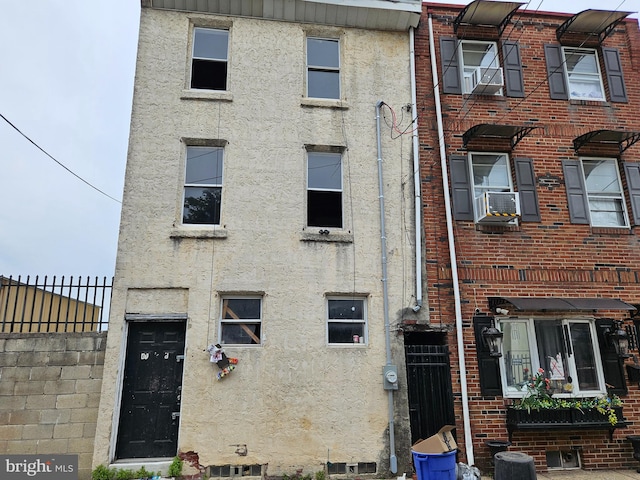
(492, 338)
(620, 340)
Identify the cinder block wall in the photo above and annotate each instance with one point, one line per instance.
(49, 394)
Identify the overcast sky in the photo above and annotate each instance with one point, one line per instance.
(66, 81)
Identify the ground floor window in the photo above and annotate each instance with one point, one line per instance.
(346, 320)
(566, 349)
(241, 321)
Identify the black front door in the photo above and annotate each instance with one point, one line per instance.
(150, 408)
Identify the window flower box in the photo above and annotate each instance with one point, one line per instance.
(564, 419)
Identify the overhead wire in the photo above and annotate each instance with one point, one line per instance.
(58, 162)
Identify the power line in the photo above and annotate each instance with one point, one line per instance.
(58, 162)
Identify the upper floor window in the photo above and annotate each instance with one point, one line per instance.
(604, 192)
(323, 68)
(576, 73)
(209, 59)
(241, 321)
(203, 186)
(346, 320)
(482, 188)
(566, 349)
(324, 189)
(481, 70)
(490, 173)
(583, 74)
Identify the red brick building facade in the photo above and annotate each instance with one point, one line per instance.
(540, 118)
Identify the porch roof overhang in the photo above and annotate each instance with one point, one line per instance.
(395, 15)
(514, 133)
(592, 23)
(623, 139)
(487, 14)
(542, 304)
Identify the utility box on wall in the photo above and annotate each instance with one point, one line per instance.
(390, 377)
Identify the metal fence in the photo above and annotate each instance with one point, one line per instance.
(56, 305)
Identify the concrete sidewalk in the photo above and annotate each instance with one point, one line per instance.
(584, 475)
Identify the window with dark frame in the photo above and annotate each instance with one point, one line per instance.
(241, 321)
(324, 189)
(346, 320)
(203, 186)
(323, 68)
(209, 60)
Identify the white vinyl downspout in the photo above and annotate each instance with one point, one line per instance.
(416, 173)
(452, 252)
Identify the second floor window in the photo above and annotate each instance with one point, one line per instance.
(604, 192)
(209, 59)
(324, 189)
(323, 68)
(583, 74)
(203, 186)
(490, 173)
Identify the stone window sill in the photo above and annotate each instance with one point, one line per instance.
(338, 237)
(218, 233)
(209, 95)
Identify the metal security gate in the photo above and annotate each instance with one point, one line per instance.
(429, 389)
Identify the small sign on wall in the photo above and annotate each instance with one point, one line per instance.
(39, 467)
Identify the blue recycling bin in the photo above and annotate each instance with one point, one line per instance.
(435, 466)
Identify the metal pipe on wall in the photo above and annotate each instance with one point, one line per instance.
(393, 460)
(468, 440)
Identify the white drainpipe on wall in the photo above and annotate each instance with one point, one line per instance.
(416, 173)
(452, 251)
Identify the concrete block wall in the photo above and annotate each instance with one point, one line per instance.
(49, 394)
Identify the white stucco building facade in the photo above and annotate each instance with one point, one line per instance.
(252, 219)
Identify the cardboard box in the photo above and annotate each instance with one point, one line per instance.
(441, 442)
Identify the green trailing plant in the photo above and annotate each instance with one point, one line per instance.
(320, 475)
(539, 397)
(103, 473)
(175, 469)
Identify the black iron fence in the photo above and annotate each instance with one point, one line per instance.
(54, 305)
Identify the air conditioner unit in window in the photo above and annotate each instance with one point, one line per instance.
(487, 80)
(497, 207)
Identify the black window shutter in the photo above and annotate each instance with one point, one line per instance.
(576, 193)
(512, 69)
(632, 173)
(615, 77)
(612, 366)
(488, 366)
(450, 67)
(461, 188)
(526, 181)
(555, 72)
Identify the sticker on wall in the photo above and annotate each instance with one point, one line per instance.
(224, 363)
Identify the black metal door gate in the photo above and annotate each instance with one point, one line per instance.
(429, 389)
